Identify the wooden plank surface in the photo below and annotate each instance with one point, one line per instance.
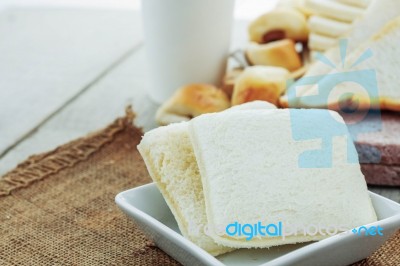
(48, 56)
(103, 100)
(92, 110)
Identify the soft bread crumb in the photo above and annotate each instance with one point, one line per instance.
(249, 168)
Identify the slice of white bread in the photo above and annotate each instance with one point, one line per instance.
(379, 13)
(359, 3)
(318, 42)
(327, 27)
(334, 9)
(248, 162)
(169, 158)
(384, 63)
(254, 105)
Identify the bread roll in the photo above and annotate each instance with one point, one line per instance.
(190, 101)
(279, 53)
(229, 80)
(279, 24)
(260, 83)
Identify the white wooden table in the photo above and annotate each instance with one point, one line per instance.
(67, 72)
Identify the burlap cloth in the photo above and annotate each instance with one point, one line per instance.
(58, 208)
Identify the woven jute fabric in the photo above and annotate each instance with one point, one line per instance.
(58, 208)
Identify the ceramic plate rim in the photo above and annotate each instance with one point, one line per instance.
(292, 256)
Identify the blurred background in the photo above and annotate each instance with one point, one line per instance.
(69, 67)
(245, 9)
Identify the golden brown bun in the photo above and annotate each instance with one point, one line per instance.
(279, 53)
(279, 24)
(191, 101)
(260, 83)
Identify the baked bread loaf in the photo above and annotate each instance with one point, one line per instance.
(384, 64)
(253, 175)
(168, 154)
(278, 53)
(260, 83)
(279, 24)
(190, 101)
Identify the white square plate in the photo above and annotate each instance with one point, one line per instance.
(147, 207)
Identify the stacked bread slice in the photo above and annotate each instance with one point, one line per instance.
(376, 31)
(242, 166)
(168, 154)
(249, 165)
(170, 160)
(330, 20)
(378, 14)
(382, 63)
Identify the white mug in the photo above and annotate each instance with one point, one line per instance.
(186, 41)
